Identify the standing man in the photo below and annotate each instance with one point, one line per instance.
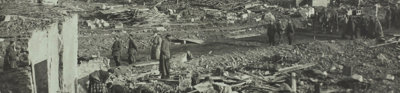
(116, 51)
(388, 17)
(132, 50)
(271, 33)
(156, 47)
(165, 55)
(345, 26)
(279, 30)
(290, 32)
(10, 59)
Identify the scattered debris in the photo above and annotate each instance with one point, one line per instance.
(389, 77)
(357, 77)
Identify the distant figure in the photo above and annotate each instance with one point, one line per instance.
(97, 81)
(388, 17)
(116, 51)
(271, 33)
(132, 50)
(363, 28)
(156, 47)
(165, 55)
(290, 32)
(346, 27)
(352, 28)
(279, 30)
(10, 58)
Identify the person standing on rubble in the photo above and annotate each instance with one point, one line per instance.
(363, 28)
(271, 30)
(290, 31)
(279, 30)
(10, 58)
(116, 51)
(132, 50)
(165, 55)
(345, 26)
(388, 17)
(156, 47)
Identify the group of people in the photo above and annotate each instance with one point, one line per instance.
(276, 32)
(362, 26)
(117, 50)
(15, 57)
(354, 25)
(160, 51)
(393, 16)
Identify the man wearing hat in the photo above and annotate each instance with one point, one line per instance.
(116, 51)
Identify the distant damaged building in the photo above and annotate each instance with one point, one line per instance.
(47, 40)
(297, 3)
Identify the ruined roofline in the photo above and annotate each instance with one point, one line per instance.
(19, 19)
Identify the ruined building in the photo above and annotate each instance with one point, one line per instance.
(48, 37)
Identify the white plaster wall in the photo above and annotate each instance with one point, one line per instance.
(37, 47)
(43, 45)
(69, 36)
(53, 58)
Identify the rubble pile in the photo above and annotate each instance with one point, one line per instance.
(18, 80)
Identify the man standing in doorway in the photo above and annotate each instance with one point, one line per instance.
(165, 55)
(116, 51)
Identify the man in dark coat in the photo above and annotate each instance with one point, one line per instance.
(271, 33)
(290, 32)
(116, 51)
(345, 27)
(363, 28)
(165, 55)
(352, 28)
(280, 30)
(132, 50)
(10, 58)
(388, 17)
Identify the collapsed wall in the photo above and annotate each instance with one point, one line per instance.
(50, 44)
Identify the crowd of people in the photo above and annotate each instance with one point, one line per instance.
(352, 23)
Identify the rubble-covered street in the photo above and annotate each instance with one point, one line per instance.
(217, 46)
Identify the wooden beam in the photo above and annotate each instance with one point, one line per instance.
(384, 44)
(243, 36)
(146, 64)
(295, 68)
